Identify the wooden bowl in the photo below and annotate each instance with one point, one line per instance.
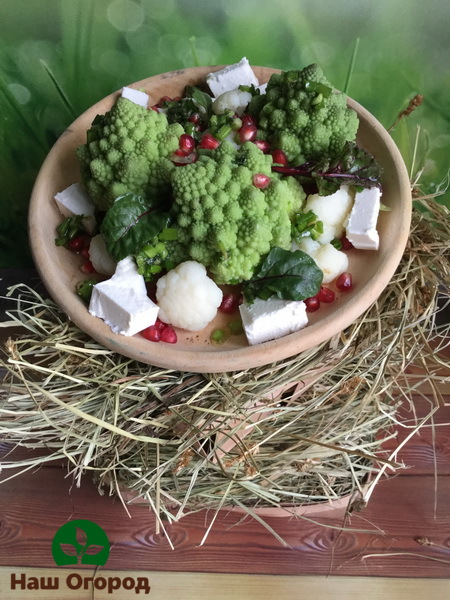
(60, 269)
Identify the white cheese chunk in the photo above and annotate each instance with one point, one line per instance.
(135, 96)
(271, 319)
(122, 301)
(231, 77)
(74, 201)
(361, 227)
(99, 256)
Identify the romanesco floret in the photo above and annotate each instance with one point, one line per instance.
(304, 116)
(127, 151)
(224, 221)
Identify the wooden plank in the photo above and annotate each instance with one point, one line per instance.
(402, 509)
(203, 586)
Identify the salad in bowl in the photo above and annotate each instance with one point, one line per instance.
(215, 226)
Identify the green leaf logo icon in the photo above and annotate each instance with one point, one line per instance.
(80, 542)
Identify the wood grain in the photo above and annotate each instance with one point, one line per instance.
(203, 586)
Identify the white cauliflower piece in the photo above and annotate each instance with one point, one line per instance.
(329, 259)
(187, 297)
(100, 257)
(332, 210)
(235, 100)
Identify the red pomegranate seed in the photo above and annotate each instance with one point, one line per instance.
(263, 145)
(187, 143)
(209, 142)
(155, 108)
(312, 304)
(195, 118)
(247, 133)
(261, 181)
(85, 253)
(88, 267)
(346, 243)
(279, 157)
(79, 242)
(152, 333)
(344, 282)
(229, 303)
(326, 295)
(248, 120)
(169, 335)
(163, 100)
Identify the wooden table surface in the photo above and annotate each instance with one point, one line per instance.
(403, 532)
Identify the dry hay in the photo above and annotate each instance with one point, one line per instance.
(303, 430)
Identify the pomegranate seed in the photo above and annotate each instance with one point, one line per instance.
(312, 304)
(344, 282)
(155, 108)
(169, 335)
(180, 152)
(346, 243)
(187, 143)
(209, 142)
(85, 253)
(261, 181)
(229, 303)
(326, 295)
(79, 242)
(247, 133)
(248, 120)
(177, 98)
(159, 324)
(279, 157)
(152, 333)
(163, 100)
(88, 267)
(263, 145)
(195, 118)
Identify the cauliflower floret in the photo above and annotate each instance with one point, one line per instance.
(187, 297)
(304, 116)
(128, 150)
(332, 210)
(331, 261)
(224, 220)
(100, 257)
(235, 100)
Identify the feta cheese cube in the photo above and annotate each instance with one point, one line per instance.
(122, 301)
(135, 96)
(231, 77)
(271, 319)
(74, 201)
(361, 227)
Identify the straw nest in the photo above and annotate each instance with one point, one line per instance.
(304, 430)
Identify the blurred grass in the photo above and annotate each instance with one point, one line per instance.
(58, 57)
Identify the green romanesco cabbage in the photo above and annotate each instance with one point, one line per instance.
(224, 221)
(304, 116)
(127, 151)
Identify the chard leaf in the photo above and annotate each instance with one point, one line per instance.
(353, 166)
(285, 274)
(130, 223)
(201, 99)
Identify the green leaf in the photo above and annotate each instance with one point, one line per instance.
(201, 99)
(285, 274)
(130, 223)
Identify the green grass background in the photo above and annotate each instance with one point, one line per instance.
(58, 57)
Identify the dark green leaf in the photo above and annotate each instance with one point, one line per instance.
(285, 274)
(130, 223)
